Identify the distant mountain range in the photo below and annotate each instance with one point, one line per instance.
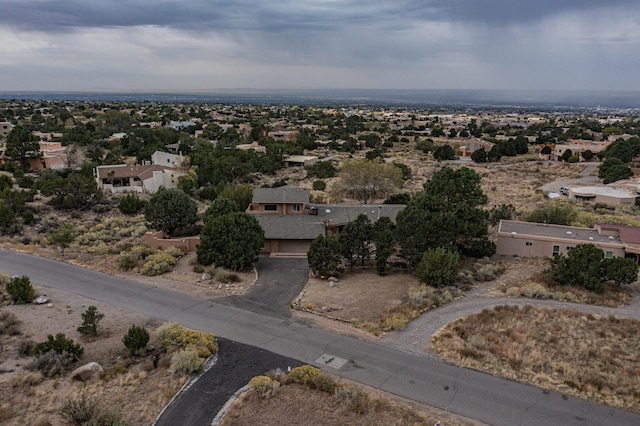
(475, 99)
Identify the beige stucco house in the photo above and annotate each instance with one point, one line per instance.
(527, 239)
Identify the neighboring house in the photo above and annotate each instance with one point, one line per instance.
(577, 147)
(141, 178)
(300, 160)
(179, 125)
(603, 194)
(53, 156)
(527, 239)
(283, 135)
(166, 159)
(291, 223)
(5, 128)
(253, 145)
(472, 145)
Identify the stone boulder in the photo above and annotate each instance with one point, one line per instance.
(89, 371)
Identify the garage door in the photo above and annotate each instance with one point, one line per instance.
(291, 246)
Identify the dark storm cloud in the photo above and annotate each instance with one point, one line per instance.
(274, 16)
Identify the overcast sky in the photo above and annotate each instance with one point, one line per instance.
(158, 45)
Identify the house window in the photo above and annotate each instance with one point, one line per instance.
(296, 207)
(608, 254)
(270, 207)
(569, 248)
(528, 243)
(556, 250)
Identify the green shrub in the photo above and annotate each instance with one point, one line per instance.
(264, 386)
(319, 185)
(90, 319)
(157, 264)
(186, 361)
(126, 262)
(26, 182)
(225, 277)
(60, 344)
(438, 267)
(303, 375)
(136, 339)
(20, 289)
(130, 204)
(175, 335)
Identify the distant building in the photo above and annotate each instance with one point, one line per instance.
(5, 128)
(577, 147)
(472, 145)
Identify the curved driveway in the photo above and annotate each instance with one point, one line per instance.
(279, 281)
(470, 393)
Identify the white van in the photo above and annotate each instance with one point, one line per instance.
(564, 190)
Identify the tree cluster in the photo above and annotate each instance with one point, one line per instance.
(585, 266)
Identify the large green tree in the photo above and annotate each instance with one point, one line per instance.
(77, 192)
(384, 238)
(355, 241)
(447, 213)
(365, 180)
(169, 210)
(439, 267)
(613, 169)
(232, 241)
(22, 145)
(324, 255)
(219, 207)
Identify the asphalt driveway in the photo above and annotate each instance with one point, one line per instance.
(280, 280)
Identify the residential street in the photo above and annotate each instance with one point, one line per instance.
(470, 393)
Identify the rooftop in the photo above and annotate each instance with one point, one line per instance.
(575, 233)
(283, 194)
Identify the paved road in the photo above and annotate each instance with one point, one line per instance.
(470, 393)
(279, 282)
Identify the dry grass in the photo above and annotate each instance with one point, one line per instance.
(295, 404)
(588, 356)
(540, 285)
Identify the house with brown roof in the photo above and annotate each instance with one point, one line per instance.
(471, 145)
(291, 222)
(140, 178)
(527, 239)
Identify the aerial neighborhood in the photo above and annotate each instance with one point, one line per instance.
(393, 212)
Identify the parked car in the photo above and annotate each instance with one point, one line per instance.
(564, 190)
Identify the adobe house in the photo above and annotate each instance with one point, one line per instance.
(291, 222)
(527, 239)
(472, 145)
(142, 177)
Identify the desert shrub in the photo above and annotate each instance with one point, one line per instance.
(278, 375)
(26, 182)
(26, 347)
(352, 397)
(225, 277)
(394, 322)
(126, 262)
(264, 386)
(324, 382)
(59, 344)
(30, 378)
(9, 323)
(79, 411)
(136, 339)
(319, 185)
(303, 375)
(90, 319)
(488, 272)
(130, 204)
(157, 263)
(50, 363)
(175, 335)
(176, 252)
(20, 289)
(535, 291)
(186, 361)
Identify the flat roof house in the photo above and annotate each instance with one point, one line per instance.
(527, 239)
